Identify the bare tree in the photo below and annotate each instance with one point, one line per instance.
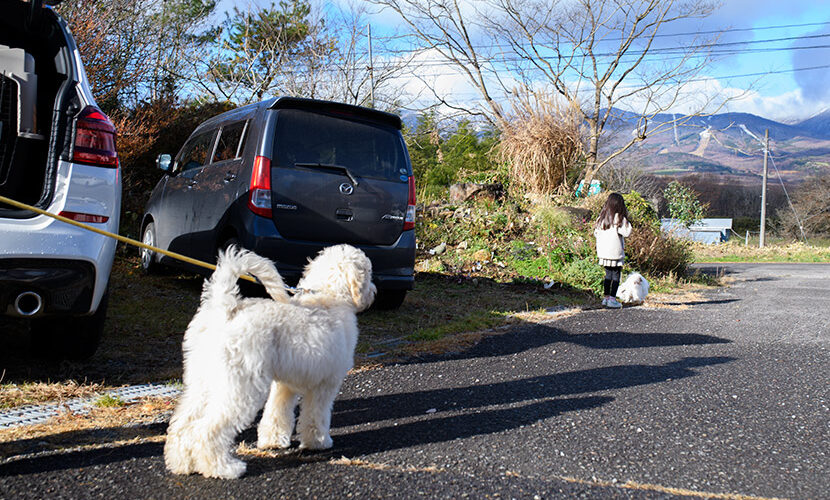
(452, 30)
(136, 49)
(809, 213)
(599, 55)
(343, 71)
(353, 76)
(299, 48)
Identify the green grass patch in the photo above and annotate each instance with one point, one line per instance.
(475, 321)
(442, 305)
(109, 401)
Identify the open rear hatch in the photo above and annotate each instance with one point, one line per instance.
(34, 70)
(339, 175)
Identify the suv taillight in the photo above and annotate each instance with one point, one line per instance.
(259, 196)
(409, 219)
(94, 139)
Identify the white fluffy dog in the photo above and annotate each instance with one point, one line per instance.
(633, 290)
(238, 349)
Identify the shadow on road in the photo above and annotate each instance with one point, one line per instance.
(700, 302)
(407, 420)
(396, 406)
(535, 336)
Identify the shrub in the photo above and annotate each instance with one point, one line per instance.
(651, 252)
(684, 203)
(594, 203)
(640, 210)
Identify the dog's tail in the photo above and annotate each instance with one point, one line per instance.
(221, 289)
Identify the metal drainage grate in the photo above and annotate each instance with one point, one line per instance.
(36, 414)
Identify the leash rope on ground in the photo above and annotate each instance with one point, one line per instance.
(123, 239)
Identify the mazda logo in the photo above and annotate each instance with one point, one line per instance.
(346, 188)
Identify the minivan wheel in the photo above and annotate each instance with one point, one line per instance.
(387, 299)
(148, 257)
(75, 338)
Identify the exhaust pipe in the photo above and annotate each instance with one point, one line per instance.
(28, 304)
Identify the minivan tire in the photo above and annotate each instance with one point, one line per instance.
(148, 258)
(74, 338)
(387, 300)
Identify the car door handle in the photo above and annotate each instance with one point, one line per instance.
(229, 177)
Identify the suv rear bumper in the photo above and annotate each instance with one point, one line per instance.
(62, 286)
(45, 243)
(393, 266)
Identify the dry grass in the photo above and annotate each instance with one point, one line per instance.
(784, 251)
(102, 426)
(12, 395)
(541, 143)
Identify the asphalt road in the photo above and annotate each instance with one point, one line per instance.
(727, 396)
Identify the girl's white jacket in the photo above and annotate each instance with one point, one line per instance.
(610, 243)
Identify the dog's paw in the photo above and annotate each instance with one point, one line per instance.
(178, 466)
(281, 442)
(230, 469)
(316, 444)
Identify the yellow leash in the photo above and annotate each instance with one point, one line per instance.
(123, 239)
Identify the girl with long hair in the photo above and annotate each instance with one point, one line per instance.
(612, 227)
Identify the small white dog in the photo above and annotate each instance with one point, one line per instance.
(633, 290)
(238, 349)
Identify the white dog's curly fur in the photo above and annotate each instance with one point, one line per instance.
(633, 290)
(237, 349)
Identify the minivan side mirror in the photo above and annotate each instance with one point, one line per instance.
(164, 162)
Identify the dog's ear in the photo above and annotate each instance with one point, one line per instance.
(357, 286)
(355, 289)
(361, 288)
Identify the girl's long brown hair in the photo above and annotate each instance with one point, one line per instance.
(613, 205)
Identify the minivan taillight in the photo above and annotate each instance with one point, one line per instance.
(409, 219)
(94, 139)
(259, 196)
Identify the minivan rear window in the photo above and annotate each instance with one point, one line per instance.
(366, 149)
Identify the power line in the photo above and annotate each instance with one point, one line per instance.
(664, 35)
(745, 75)
(427, 63)
(652, 51)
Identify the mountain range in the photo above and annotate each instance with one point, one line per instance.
(727, 144)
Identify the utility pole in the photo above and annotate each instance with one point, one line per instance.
(371, 71)
(764, 191)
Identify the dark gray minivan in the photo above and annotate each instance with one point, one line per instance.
(286, 177)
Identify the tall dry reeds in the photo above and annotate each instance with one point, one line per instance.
(541, 143)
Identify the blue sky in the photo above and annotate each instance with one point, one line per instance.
(783, 94)
(788, 94)
(780, 93)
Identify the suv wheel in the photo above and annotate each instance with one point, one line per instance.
(148, 257)
(75, 338)
(387, 299)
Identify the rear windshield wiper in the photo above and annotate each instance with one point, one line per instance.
(330, 166)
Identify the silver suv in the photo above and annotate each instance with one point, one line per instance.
(57, 152)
